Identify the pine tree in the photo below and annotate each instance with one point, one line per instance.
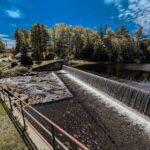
(39, 40)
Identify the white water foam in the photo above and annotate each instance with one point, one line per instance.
(132, 115)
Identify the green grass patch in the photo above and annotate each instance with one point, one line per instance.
(75, 63)
(5, 55)
(9, 137)
(42, 63)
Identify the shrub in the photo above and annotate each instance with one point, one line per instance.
(50, 56)
(21, 70)
(14, 63)
(26, 60)
(1, 72)
(38, 62)
(17, 71)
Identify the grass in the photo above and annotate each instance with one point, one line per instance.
(9, 137)
(6, 70)
(42, 63)
(5, 55)
(80, 62)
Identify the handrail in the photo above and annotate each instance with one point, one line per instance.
(79, 144)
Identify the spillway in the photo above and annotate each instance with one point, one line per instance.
(133, 97)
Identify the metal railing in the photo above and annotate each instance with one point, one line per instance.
(21, 105)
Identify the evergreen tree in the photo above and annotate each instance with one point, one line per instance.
(18, 38)
(39, 40)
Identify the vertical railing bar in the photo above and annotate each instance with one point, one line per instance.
(22, 115)
(10, 103)
(3, 95)
(53, 138)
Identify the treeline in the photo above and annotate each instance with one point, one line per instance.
(64, 41)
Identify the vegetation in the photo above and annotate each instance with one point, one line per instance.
(81, 62)
(5, 55)
(39, 40)
(22, 45)
(14, 63)
(42, 63)
(9, 139)
(14, 68)
(2, 45)
(69, 42)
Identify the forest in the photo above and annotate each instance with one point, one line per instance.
(75, 42)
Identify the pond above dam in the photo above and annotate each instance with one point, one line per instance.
(133, 72)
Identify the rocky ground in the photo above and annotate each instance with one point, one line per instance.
(37, 88)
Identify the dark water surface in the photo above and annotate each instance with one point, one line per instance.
(133, 72)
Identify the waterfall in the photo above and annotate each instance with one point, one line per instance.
(131, 96)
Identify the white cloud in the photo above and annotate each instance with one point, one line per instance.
(4, 35)
(13, 25)
(13, 13)
(116, 2)
(138, 11)
(10, 43)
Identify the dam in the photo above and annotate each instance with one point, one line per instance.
(133, 97)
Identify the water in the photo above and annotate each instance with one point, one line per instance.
(132, 96)
(133, 72)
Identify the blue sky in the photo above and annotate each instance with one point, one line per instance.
(88, 13)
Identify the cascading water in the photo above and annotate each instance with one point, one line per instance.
(131, 96)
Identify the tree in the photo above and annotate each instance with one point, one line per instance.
(101, 32)
(99, 53)
(78, 40)
(23, 45)
(39, 40)
(65, 41)
(2, 45)
(138, 35)
(18, 37)
(122, 31)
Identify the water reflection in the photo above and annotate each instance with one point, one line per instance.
(133, 72)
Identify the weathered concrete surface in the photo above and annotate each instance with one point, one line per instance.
(38, 88)
(50, 67)
(126, 134)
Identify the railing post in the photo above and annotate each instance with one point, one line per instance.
(3, 94)
(22, 114)
(53, 137)
(11, 108)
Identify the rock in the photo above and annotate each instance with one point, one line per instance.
(17, 94)
(26, 100)
(24, 97)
